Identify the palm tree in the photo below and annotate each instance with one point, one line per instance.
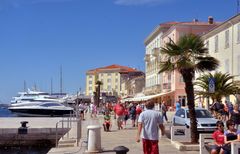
(187, 56)
(224, 85)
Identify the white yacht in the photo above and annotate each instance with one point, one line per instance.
(42, 109)
(34, 97)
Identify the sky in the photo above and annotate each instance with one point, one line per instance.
(37, 37)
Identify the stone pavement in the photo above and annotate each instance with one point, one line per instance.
(124, 137)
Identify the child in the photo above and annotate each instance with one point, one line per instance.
(107, 123)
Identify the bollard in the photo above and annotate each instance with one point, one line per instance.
(121, 150)
(23, 129)
(94, 139)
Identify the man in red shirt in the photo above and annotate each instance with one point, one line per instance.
(119, 113)
(218, 137)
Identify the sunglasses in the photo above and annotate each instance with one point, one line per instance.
(220, 126)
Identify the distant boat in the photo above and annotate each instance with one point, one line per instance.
(50, 109)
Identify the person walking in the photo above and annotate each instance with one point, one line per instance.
(149, 123)
(178, 105)
(164, 111)
(119, 114)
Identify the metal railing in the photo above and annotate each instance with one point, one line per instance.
(73, 117)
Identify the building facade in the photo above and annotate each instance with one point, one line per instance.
(223, 43)
(170, 84)
(111, 78)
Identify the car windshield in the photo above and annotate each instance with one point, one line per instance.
(201, 114)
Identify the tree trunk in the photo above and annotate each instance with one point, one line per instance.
(188, 76)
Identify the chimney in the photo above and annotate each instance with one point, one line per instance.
(195, 20)
(210, 20)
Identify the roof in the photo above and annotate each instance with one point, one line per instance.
(221, 27)
(166, 26)
(114, 67)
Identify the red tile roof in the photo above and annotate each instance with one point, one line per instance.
(113, 67)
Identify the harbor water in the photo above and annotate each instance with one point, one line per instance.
(4, 112)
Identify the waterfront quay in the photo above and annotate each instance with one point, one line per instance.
(109, 140)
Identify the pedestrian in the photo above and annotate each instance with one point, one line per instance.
(178, 105)
(149, 123)
(107, 121)
(132, 113)
(119, 114)
(126, 116)
(235, 116)
(82, 109)
(164, 110)
(138, 111)
(218, 137)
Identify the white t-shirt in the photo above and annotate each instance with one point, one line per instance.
(150, 120)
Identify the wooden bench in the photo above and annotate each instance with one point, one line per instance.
(206, 143)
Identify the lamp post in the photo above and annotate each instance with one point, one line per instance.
(98, 85)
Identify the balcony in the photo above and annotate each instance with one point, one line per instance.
(147, 58)
(166, 87)
(152, 90)
(156, 52)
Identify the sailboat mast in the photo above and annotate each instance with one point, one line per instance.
(51, 86)
(61, 86)
(24, 86)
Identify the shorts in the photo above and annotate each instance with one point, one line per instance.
(217, 148)
(150, 146)
(120, 118)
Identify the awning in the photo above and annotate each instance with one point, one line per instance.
(144, 98)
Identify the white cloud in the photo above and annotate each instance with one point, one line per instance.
(139, 2)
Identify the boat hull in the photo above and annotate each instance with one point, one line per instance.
(41, 112)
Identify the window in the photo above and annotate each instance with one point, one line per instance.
(109, 88)
(238, 33)
(90, 76)
(108, 80)
(216, 43)
(116, 87)
(90, 88)
(90, 82)
(181, 78)
(227, 66)
(116, 80)
(109, 74)
(169, 76)
(227, 39)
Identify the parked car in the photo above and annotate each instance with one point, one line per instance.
(205, 121)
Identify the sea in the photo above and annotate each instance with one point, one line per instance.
(4, 112)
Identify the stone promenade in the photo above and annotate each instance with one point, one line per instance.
(124, 137)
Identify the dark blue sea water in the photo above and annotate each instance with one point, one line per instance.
(4, 112)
